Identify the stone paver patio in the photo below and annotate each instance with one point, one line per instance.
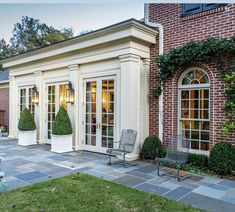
(27, 165)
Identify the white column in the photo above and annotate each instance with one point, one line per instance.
(144, 101)
(130, 97)
(40, 122)
(13, 105)
(73, 108)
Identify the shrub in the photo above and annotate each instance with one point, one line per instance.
(26, 122)
(222, 157)
(198, 160)
(150, 146)
(62, 124)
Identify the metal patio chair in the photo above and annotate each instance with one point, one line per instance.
(126, 145)
(175, 157)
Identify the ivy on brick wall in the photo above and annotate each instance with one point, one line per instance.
(213, 49)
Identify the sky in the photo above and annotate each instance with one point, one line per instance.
(80, 17)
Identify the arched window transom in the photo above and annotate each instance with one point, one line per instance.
(195, 77)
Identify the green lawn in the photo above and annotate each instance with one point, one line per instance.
(84, 193)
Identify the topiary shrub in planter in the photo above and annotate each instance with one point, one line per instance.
(27, 129)
(222, 158)
(62, 138)
(150, 146)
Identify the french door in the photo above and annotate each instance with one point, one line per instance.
(26, 100)
(99, 113)
(56, 97)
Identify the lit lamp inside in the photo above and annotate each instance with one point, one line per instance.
(70, 94)
(35, 98)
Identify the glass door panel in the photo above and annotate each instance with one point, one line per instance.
(107, 113)
(90, 113)
(51, 111)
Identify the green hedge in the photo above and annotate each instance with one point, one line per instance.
(150, 146)
(198, 160)
(222, 158)
(62, 124)
(26, 122)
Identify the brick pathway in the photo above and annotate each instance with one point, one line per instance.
(27, 165)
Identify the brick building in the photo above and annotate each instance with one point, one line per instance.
(4, 99)
(183, 23)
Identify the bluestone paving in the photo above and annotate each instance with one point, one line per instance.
(30, 175)
(178, 193)
(32, 164)
(208, 203)
(210, 192)
(152, 188)
(227, 183)
(129, 180)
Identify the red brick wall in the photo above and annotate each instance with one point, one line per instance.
(4, 105)
(179, 30)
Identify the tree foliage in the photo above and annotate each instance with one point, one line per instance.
(31, 34)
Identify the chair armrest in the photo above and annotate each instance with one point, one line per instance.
(157, 153)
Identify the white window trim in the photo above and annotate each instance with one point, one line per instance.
(191, 87)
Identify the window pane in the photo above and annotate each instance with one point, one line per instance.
(205, 125)
(204, 104)
(186, 81)
(185, 104)
(194, 114)
(204, 114)
(184, 94)
(195, 124)
(185, 124)
(186, 133)
(184, 114)
(194, 94)
(195, 135)
(205, 146)
(204, 94)
(194, 104)
(194, 145)
(205, 136)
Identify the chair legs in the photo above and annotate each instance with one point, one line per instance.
(123, 161)
(179, 178)
(158, 169)
(109, 162)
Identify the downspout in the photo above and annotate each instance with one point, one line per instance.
(161, 32)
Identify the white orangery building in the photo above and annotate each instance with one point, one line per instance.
(109, 72)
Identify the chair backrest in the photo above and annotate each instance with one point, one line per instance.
(176, 155)
(128, 138)
(172, 151)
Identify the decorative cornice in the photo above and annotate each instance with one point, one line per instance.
(74, 67)
(146, 61)
(129, 57)
(38, 73)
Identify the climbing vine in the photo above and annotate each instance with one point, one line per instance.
(214, 49)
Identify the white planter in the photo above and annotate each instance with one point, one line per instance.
(61, 143)
(26, 138)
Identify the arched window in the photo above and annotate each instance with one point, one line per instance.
(194, 114)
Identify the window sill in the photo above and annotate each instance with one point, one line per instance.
(204, 13)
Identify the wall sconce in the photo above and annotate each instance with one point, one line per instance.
(35, 98)
(70, 94)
